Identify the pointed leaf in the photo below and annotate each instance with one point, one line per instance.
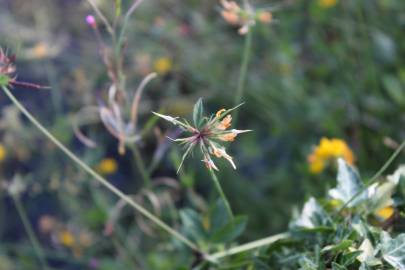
(348, 185)
(198, 112)
(231, 230)
(393, 251)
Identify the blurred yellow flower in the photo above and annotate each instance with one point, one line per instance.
(66, 238)
(327, 3)
(329, 149)
(385, 213)
(162, 65)
(107, 166)
(3, 152)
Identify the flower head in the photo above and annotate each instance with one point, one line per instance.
(163, 65)
(90, 20)
(327, 150)
(207, 133)
(243, 17)
(107, 166)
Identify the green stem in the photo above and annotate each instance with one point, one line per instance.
(375, 177)
(30, 231)
(249, 246)
(221, 193)
(99, 178)
(141, 166)
(243, 71)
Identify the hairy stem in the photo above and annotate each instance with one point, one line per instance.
(99, 178)
(30, 231)
(221, 193)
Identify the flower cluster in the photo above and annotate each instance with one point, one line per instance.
(243, 17)
(329, 150)
(207, 133)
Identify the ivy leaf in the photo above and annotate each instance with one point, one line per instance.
(198, 112)
(393, 251)
(312, 215)
(348, 185)
(308, 263)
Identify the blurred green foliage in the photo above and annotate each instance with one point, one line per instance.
(314, 72)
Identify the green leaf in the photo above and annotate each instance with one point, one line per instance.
(348, 258)
(312, 216)
(231, 230)
(307, 263)
(218, 215)
(4, 80)
(198, 112)
(394, 89)
(118, 6)
(393, 251)
(343, 245)
(336, 266)
(192, 225)
(348, 185)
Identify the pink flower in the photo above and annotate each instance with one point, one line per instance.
(90, 20)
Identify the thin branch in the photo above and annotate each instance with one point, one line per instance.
(100, 179)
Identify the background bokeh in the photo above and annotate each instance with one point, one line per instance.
(318, 70)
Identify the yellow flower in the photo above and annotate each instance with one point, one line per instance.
(3, 152)
(66, 238)
(329, 149)
(327, 3)
(385, 213)
(107, 166)
(163, 65)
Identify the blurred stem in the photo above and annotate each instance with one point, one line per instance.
(102, 180)
(221, 193)
(375, 177)
(249, 246)
(243, 72)
(141, 165)
(30, 231)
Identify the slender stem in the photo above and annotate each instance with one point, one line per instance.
(249, 246)
(30, 231)
(141, 165)
(221, 193)
(375, 177)
(102, 17)
(99, 178)
(243, 71)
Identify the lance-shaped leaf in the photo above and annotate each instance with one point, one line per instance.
(348, 185)
(198, 113)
